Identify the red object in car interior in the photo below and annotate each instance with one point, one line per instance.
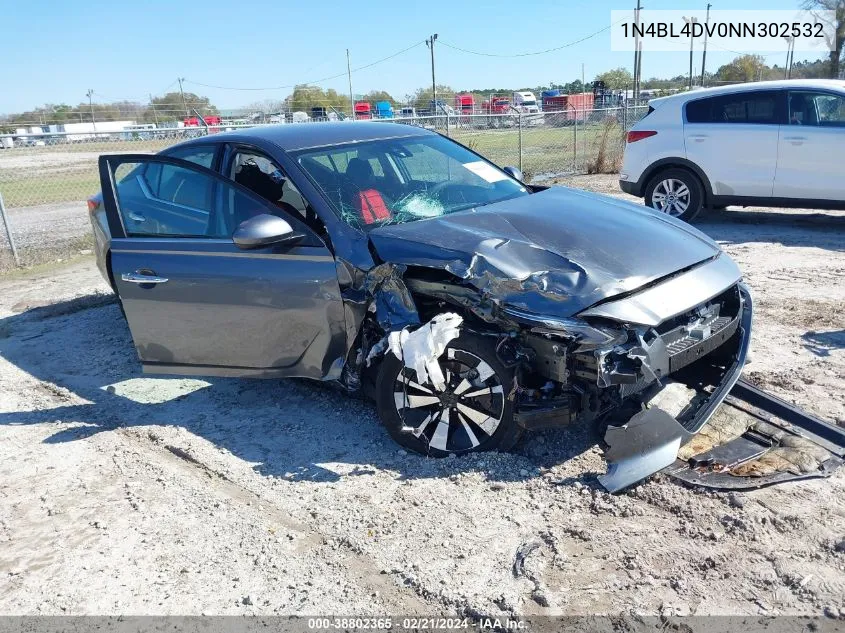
(372, 207)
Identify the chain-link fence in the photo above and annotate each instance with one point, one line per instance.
(45, 180)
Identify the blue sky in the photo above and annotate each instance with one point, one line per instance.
(53, 52)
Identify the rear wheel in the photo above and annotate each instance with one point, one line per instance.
(469, 412)
(676, 192)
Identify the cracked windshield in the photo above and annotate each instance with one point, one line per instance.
(392, 181)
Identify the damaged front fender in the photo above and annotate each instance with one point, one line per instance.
(391, 300)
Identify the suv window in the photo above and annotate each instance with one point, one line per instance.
(822, 109)
(162, 200)
(759, 107)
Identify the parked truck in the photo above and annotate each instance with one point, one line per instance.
(384, 110)
(496, 105)
(363, 110)
(464, 104)
(207, 121)
(565, 109)
(525, 102)
(499, 110)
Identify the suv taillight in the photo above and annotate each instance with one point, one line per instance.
(638, 135)
(94, 203)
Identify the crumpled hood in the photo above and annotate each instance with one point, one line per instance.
(555, 252)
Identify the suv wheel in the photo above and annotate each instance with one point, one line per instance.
(470, 412)
(675, 192)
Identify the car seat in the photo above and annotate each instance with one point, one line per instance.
(367, 201)
(250, 176)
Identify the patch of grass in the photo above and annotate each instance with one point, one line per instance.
(25, 191)
(36, 260)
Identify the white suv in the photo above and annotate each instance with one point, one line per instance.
(772, 143)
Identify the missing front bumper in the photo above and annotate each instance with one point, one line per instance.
(650, 440)
(741, 438)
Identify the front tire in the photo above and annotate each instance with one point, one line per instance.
(471, 412)
(676, 192)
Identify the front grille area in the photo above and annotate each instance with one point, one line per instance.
(688, 349)
(669, 347)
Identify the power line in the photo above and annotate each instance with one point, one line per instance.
(543, 52)
(315, 81)
(729, 50)
(115, 99)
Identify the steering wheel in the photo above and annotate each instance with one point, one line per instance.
(435, 189)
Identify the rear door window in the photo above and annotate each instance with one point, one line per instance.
(761, 107)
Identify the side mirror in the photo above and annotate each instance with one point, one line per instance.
(513, 172)
(263, 230)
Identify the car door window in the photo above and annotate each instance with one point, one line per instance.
(261, 174)
(760, 107)
(820, 109)
(160, 199)
(201, 155)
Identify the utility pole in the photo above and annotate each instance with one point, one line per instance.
(704, 54)
(349, 75)
(690, 22)
(153, 106)
(639, 71)
(791, 58)
(637, 49)
(182, 92)
(790, 55)
(90, 95)
(430, 43)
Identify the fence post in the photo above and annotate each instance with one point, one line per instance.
(447, 123)
(519, 126)
(9, 232)
(575, 143)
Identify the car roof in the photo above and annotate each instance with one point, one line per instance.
(296, 136)
(683, 97)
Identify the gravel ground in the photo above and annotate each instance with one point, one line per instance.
(131, 495)
(46, 233)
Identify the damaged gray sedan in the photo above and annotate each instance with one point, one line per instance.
(471, 306)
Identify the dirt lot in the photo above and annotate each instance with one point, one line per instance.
(133, 495)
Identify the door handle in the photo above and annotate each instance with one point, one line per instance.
(698, 138)
(794, 138)
(139, 278)
(136, 218)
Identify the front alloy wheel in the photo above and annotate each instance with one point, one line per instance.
(468, 411)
